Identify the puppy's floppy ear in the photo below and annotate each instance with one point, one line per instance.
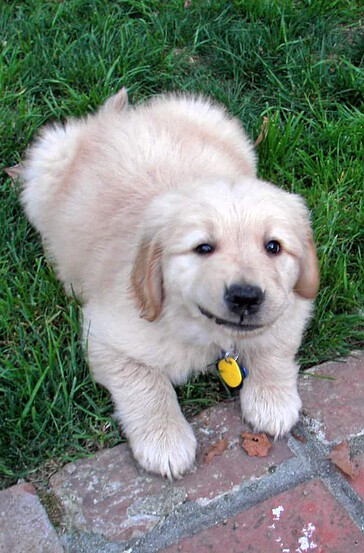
(308, 279)
(147, 278)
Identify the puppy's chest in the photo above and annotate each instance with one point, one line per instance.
(180, 362)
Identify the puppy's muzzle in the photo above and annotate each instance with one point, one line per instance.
(243, 299)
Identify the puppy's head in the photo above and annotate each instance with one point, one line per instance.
(232, 256)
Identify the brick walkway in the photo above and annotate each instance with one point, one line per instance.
(292, 500)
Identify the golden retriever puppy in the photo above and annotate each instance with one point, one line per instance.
(155, 218)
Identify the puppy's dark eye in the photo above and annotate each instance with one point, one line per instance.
(273, 247)
(204, 249)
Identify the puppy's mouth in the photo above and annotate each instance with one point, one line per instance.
(240, 326)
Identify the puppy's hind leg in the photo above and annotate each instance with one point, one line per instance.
(146, 405)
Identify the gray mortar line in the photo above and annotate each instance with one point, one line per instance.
(357, 445)
(83, 542)
(347, 497)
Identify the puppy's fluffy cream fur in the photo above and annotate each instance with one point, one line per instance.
(122, 199)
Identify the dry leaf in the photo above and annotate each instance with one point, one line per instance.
(256, 445)
(340, 456)
(263, 132)
(298, 437)
(216, 449)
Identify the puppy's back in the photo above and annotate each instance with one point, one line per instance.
(87, 183)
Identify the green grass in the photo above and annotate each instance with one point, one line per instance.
(300, 63)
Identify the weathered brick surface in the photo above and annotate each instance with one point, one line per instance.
(24, 525)
(306, 518)
(110, 495)
(337, 405)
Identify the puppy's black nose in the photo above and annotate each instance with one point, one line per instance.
(243, 298)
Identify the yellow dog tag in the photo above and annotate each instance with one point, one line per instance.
(231, 372)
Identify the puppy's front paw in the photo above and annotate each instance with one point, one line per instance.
(167, 450)
(271, 410)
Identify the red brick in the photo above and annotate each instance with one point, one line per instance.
(306, 518)
(111, 496)
(96, 492)
(24, 524)
(234, 467)
(337, 405)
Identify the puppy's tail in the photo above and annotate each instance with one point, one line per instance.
(46, 169)
(52, 161)
(14, 172)
(117, 102)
